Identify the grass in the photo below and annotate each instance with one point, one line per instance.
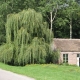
(46, 71)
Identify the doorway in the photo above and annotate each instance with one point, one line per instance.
(78, 59)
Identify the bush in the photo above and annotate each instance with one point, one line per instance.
(52, 57)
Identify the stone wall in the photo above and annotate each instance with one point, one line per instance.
(72, 57)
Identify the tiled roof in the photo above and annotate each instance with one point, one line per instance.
(67, 45)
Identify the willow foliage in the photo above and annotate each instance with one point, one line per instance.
(27, 38)
(6, 53)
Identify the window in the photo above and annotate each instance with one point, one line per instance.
(78, 55)
(65, 58)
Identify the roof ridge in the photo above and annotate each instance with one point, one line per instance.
(65, 39)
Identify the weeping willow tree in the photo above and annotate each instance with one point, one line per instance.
(27, 39)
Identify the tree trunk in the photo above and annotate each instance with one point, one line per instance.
(70, 28)
(51, 20)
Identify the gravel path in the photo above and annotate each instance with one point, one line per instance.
(7, 75)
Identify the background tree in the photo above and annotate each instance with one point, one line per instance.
(71, 11)
(45, 7)
(3, 13)
(65, 18)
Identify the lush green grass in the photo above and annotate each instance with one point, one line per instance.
(46, 71)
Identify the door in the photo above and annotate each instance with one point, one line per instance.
(79, 61)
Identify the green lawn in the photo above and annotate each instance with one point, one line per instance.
(46, 71)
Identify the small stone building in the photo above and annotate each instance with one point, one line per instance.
(69, 50)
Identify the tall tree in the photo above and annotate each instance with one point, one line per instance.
(27, 39)
(71, 11)
(64, 20)
(3, 11)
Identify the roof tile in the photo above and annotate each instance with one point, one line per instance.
(67, 45)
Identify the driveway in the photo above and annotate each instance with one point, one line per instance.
(7, 75)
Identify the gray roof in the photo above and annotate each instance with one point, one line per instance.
(67, 45)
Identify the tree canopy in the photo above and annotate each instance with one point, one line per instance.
(28, 39)
(60, 24)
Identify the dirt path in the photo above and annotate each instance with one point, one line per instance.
(7, 75)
